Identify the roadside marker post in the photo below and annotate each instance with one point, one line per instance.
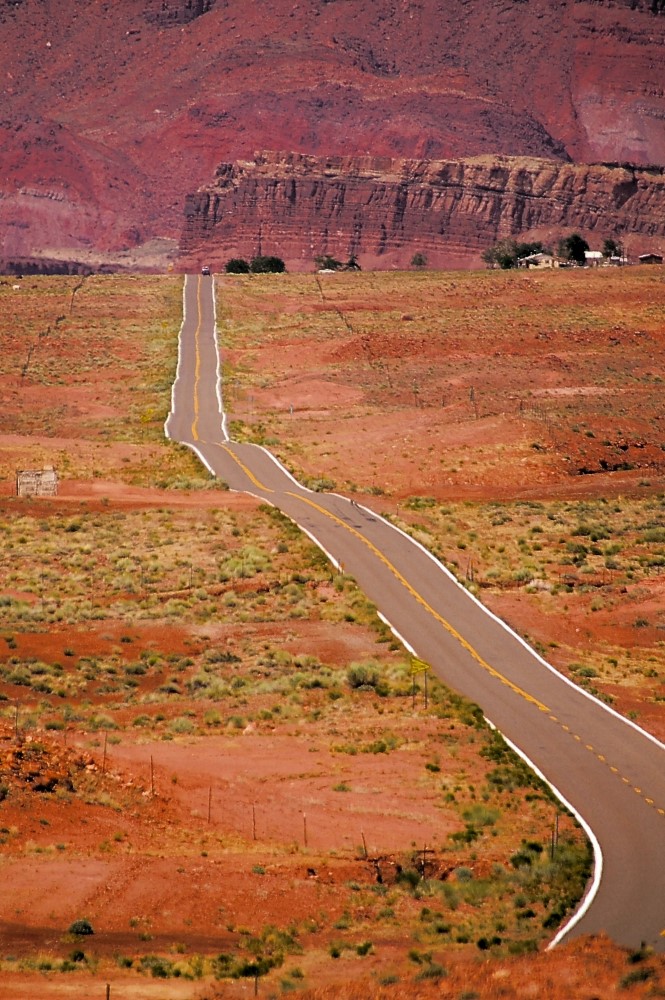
(419, 667)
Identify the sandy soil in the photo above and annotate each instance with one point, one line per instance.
(188, 842)
(469, 390)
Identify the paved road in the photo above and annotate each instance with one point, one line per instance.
(610, 772)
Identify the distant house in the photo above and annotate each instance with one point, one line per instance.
(650, 258)
(538, 260)
(593, 258)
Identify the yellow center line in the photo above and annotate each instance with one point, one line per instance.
(250, 475)
(197, 368)
(615, 770)
(405, 583)
(421, 600)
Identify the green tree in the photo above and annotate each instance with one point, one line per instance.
(611, 248)
(237, 265)
(506, 253)
(501, 255)
(573, 247)
(419, 260)
(267, 265)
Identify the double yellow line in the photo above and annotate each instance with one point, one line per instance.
(248, 472)
(405, 583)
(197, 365)
(492, 671)
(450, 629)
(428, 607)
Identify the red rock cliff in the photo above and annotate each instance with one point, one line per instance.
(385, 210)
(112, 111)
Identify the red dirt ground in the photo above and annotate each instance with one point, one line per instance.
(175, 846)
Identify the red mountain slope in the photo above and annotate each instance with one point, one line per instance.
(113, 111)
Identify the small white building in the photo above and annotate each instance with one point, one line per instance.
(538, 260)
(37, 482)
(593, 258)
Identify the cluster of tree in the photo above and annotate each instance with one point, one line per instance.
(324, 262)
(507, 253)
(611, 248)
(26, 265)
(257, 265)
(574, 247)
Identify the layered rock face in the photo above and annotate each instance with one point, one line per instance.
(112, 112)
(168, 13)
(383, 211)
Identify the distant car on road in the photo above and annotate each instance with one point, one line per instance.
(205, 270)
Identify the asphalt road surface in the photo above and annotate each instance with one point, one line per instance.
(604, 767)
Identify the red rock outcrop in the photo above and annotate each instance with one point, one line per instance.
(168, 13)
(383, 211)
(148, 97)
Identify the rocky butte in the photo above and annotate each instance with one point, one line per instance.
(383, 211)
(114, 112)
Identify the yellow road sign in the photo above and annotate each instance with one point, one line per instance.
(419, 666)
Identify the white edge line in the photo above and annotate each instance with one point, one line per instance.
(590, 893)
(437, 562)
(167, 433)
(451, 576)
(407, 645)
(286, 472)
(598, 854)
(224, 415)
(520, 639)
(218, 353)
(335, 562)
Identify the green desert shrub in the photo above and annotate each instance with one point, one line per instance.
(81, 928)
